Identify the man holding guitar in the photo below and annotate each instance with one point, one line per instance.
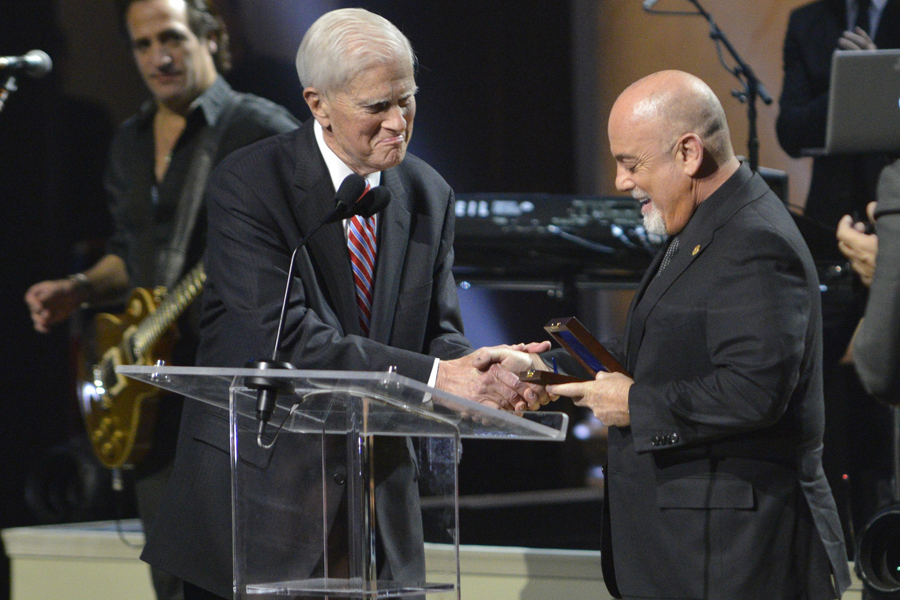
(159, 164)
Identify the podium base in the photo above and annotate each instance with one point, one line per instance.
(347, 588)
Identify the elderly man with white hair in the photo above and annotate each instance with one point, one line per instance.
(398, 308)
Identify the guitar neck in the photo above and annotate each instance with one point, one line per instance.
(173, 306)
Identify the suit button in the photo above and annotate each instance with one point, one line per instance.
(340, 478)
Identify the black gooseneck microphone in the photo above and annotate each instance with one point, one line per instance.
(351, 199)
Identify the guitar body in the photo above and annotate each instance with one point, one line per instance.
(120, 413)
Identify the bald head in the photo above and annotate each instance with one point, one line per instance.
(672, 103)
(671, 143)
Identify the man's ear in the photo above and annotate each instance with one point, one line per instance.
(318, 106)
(690, 150)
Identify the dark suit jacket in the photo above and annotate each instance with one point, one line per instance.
(840, 184)
(261, 201)
(716, 490)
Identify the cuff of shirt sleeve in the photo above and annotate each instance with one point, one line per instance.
(432, 379)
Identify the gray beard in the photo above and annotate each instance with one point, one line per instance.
(654, 223)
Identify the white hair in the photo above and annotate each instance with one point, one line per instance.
(344, 42)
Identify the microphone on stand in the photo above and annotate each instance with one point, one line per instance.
(351, 199)
(35, 63)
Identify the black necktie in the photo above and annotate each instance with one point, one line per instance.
(862, 15)
(670, 252)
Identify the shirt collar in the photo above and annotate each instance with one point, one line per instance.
(730, 186)
(874, 14)
(211, 102)
(707, 209)
(877, 4)
(337, 169)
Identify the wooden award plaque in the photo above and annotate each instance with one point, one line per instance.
(582, 346)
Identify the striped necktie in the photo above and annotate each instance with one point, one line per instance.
(363, 244)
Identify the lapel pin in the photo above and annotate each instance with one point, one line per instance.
(696, 250)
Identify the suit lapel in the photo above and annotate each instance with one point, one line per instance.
(690, 245)
(693, 240)
(393, 239)
(634, 327)
(887, 35)
(314, 195)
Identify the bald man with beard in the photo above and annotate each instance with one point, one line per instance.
(715, 486)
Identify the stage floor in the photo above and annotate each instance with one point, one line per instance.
(86, 561)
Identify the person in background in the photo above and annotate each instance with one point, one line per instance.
(875, 350)
(840, 184)
(857, 467)
(154, 181)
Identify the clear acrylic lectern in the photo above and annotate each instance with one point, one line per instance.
(347, 419)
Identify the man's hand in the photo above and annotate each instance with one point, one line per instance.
(52, 301)
(856, 39)
(606, 396)
(518, 359)
(859, 247)
(488, 376)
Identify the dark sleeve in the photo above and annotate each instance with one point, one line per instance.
(876, 346)
(803, 105)
(117, 183)
(444, 337)
(751, 331)
(255, 119)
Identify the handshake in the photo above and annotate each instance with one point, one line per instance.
(491, 376)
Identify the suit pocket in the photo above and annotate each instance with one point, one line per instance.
(213, 429)
(706, 493)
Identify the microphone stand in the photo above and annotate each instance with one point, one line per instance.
(352, 198)
(6, 89)
(753, 87)
(268, 387)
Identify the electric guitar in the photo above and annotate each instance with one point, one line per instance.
(120, 413)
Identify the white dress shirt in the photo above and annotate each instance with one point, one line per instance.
(338, 170)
